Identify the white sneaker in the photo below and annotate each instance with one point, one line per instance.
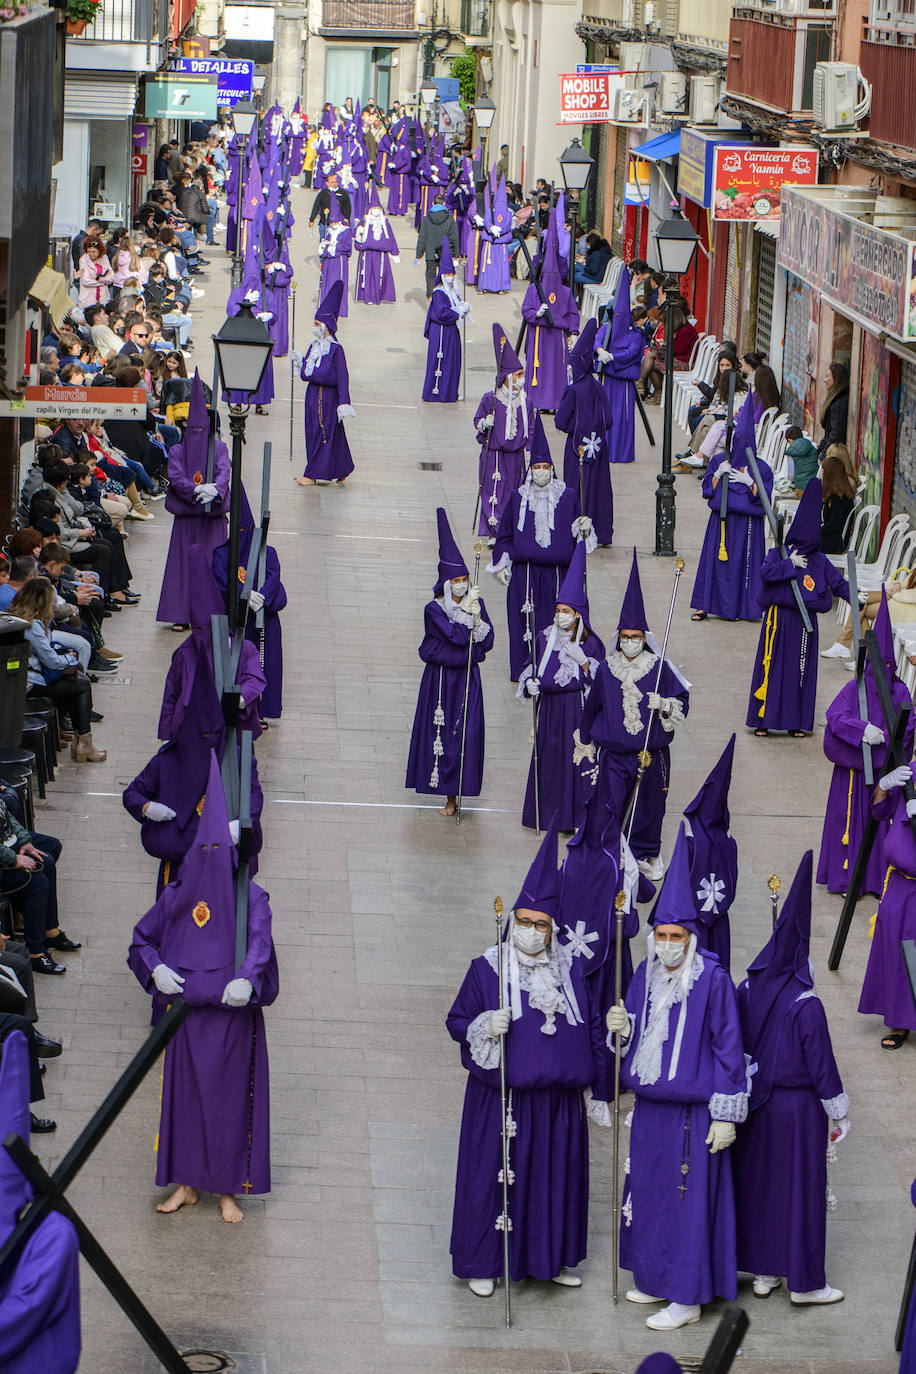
(674, 1315)
(197, 292)
(635, 1295)
(764, 1284)
(837, 650)
(482, 1287)
(849, 664)
(694, 460)
(566, 1279)
(817, 1295)
(653, 869)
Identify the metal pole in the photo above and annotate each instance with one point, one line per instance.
(237, 418)
(478, 550)
(619, 903)
(665, 514)
(573, 229)
(292, 367)
(236, 274)
(532, 638)
(505, 1175)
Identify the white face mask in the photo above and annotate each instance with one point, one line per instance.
(529, 941)
(563, 620)
(632, 648)
(671, 952)
(318, 331)
(541, 476)
(447, 281)
(459, 589)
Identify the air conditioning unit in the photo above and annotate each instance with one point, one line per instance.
(704, 97)
(835, 95)
(633, 57)
(673, 93)
(628, 107)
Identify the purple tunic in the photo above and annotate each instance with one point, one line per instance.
(444, 650)
(584, 415)
(327, 453)
(268, 641)
(443, 355)
(192, 525)
(886, 990)
(546, 346)
(536, 572)
(334, 252)
(681, 1245)
(493, 263)
(549, 1151)
(398, 168)
(849, 800)
(276, 300)
(564, 786)
(618, 378)
(730, 587)
(179, 685)
(374, 277)
(501, 469)
(784, 680)
(713, 855)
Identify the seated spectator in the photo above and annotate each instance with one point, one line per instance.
(591, 267)
(802, 461)
(50, 361)
(137, 439)
(713, 417)
(710, 397)
(640, 317)
(137, 333)
(838, 501)
(766, 394)
(71, 374)
(82, 598)
(76, 533)
(103, 336)
(841, 451)
(901, 605)
(684, 338)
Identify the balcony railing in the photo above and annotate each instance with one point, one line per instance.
(772, 55)
(475, 18)
(887, 57)
(130, 21)
(368, 16)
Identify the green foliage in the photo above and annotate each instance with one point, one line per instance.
(83, 9)
(464, 66)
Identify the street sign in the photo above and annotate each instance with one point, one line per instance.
(78, 403)
(181, 96)
(138, 164)
(587, 68)
(586, 99)
(233, 76)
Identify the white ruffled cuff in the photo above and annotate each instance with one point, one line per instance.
(597, 1111)
(521, 694)
(462, 618)
(344, 411)
(836, 1107)
(728, 1107)
(504, 562)
(625, 1048)
(671, 719)
(591, 539)
(484, 1050)
(480, 632)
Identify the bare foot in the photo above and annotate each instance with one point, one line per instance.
(183, 1196)
(229, 1209)
(449, 808)
(305, 481)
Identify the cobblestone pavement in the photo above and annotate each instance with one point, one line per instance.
(378, 906)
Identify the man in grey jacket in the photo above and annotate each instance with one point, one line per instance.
(436, 226)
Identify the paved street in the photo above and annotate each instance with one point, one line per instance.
(379, 904)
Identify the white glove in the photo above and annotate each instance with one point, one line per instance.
(235, 830)
(618, 1021)
(839, 1130)
(274, 266)
(911, 808)
(897, 777)
(744, 477)
(721, 1135)
(724, 467)
(478, 222)
(541, 310)
(155, 811)
(295, 358)
(498, 1023)
(576, 653)
(533, 687)
(658, 703)
(585, 526)
(863, 597)
(582, 751)
(255, 601)
(167, 981)
(798, 559)
(205, 491)
(603, 356)
(241, 702)
(470, 602)
(504, 575)
(872, 734)
(265, 315)
(464, 308)
(237, 993)
(486, 422)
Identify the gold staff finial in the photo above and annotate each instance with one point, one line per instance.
(774, 883)
(293, 285)
(498, 905)
(620, 900)
(679, 564)
(480, 548)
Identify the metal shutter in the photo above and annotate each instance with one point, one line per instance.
(732, 286)
(903, 497)
(766, 284)
(107, 96)
(620, 182)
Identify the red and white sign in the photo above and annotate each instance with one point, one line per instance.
(138, 163)
(747, 180)
(79, 403)
(587, 98)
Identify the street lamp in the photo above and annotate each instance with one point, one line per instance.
(258, 82)
(429, 94)
(575, 165)
(244, 117)
(675, 245)
(243, 349)
(484, 113)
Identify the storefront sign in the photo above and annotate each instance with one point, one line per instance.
(196, 47)
(864, 268)
(233, 75)
(586, 99)
(586, 68)
(140, 137)
(79, 403)
(748, 180)
(186, 96)
(138, 164)
(695, 165)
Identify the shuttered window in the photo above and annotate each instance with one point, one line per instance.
(766, 284)
(732, 286)
(109, 96)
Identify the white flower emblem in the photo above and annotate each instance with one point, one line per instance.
(591, 445)
(711, 892)
(578, 942)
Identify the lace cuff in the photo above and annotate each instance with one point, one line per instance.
(591, 539)
(625, 1048)
(344, 411)
(836, 1107)
(671, 719)
(597, 1111)
(462, 618)
(480, 632)
(521, 694)
(504, 562)
(728, 1107)
(484, 1050)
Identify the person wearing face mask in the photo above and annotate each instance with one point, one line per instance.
(334, 254)
(557, 1074)
(619, 349)
(679, 1037)
(443, 356)
(584, 416)
(797, 1104)
(784, 679)
(616, 717)
(550, 315)
(502, 422)
(565, 662)
(453, 620)
(535, 541)
(327, 398)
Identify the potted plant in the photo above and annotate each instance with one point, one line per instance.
(79, 13)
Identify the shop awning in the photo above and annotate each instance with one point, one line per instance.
(659, 149)
(51, 288)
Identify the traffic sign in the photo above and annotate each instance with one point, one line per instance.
(78, 403)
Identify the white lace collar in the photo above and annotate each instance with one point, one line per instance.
(546, 982)
(664, 989)
(629, 671)
(543, 502)
(318, 349)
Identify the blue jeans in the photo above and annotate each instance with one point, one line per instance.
(695, 415)
(581, 279)
(212, 219)
(181, 323)
(169, 434)
(139, 474)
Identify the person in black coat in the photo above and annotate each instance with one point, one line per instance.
(838, 501)
(835, 415)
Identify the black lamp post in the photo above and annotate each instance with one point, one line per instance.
(484, 113)
(243, 349)
(575, 164)
(429, 94)
(675, 243)
(244, 115)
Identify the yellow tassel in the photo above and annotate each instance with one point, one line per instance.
(534, 368)
(723, 551)
(845, 839)
(769, 638)
(887, 877)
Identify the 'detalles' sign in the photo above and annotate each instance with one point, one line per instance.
(585, 98)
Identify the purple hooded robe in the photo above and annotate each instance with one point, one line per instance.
(334, 252)
(502, 425)
(546, 345)
(327, 399)
(493, 270)
(620, 337)
(376, 245)
(886, 989)
(584, 416)
(443, 354)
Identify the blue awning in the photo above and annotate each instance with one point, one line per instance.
(660, 148)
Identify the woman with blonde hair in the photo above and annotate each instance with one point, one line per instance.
(128, 263)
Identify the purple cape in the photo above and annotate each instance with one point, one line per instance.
(584, 415)
(564, 787)
(327, 452)
(443, 355)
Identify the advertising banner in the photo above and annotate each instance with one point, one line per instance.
(233, 76)
(586, 98)
(181, 97)
(748, 180)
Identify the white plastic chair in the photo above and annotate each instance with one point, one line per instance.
(870, 575)
(595, 294)
(763, 426)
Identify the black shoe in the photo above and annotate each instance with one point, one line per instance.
(202, 262)
(102, 665)
(45, 1048)
(42, 1069)
(62, 940)
(131, 597)
(43, 963)
(41, 1125)
(95, 717)
(112, 606)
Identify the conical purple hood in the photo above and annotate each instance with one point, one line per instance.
(254, 190)
(633, 612)
(713, 851)
(541, 889)
(660, 1363)
(558, 218)
(621, 320)
(500, 213)
(202, 933)
(335, 214)
(451, 564)
(201, 727)
(710, 805)
(744, 436)
(197, 432)
(15, 1190)
(675, 905)
(446, 261)
(329, 308)
(582, 356)
(207, 599)
(552, 274)
(540, 449)
(507, 360)
(572, 588)
(805, 531)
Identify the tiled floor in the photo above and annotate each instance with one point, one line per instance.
(379, 904)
